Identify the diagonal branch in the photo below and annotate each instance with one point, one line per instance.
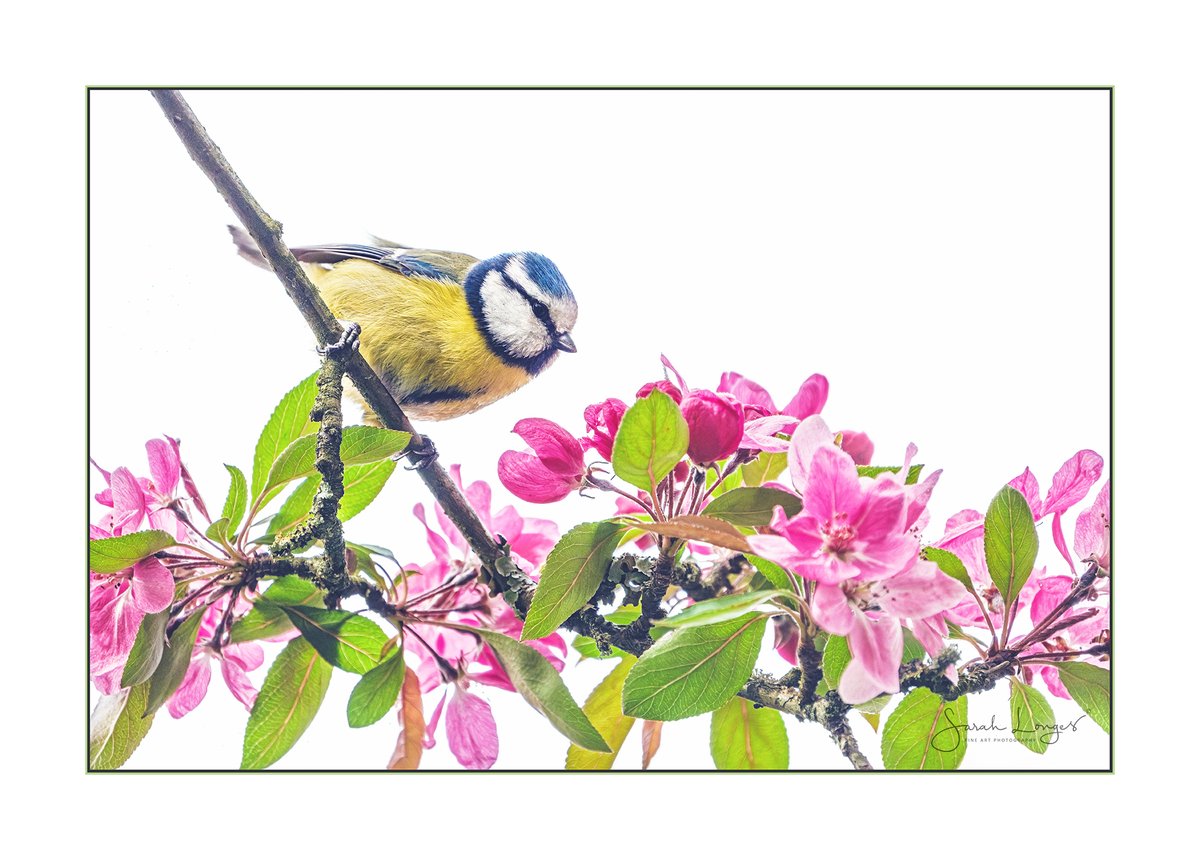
(268, 233)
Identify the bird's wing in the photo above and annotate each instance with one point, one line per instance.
(437, 265)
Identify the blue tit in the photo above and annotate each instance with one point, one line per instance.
(447, 333)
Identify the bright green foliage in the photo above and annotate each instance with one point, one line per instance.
(695, 670)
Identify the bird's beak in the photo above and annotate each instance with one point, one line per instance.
(564, 343)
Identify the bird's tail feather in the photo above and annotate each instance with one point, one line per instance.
(247, 248)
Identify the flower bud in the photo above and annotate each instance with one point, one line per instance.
(668, 388)
(602, 421)
(551, 471)
(715, 423)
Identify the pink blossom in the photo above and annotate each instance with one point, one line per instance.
(1092, 531)
(1049, 594)
(715, 423)
(868, 611)
(603, 420)
(551, 472)
(461, 658)
(763, 419)
(850, 527)
(117, 603)
(235, 661)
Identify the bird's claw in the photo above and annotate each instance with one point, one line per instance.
(421, 455)
(344, 345)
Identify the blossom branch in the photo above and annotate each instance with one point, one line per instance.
(268, 234)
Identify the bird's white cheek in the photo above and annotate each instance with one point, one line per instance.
(511, 320)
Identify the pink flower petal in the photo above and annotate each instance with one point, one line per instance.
(432, 725)
(678, 378)
(471, 731)
(113, 623)
(1092, 530)
(1026, 484)
(558, 450)
(810, 434)
(1072, 481)
(748, 392)
(437, 544)
(164, 467)
(919, 592)
(759, 433)
(833, 487)
(877, 644)
(129, 502)
(193, 689)
(858, 445)
(810, 399)
(526, 477)
(1060, 542)
(238, 683)
(832, 610)
(153, 585)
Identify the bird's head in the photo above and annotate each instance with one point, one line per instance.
(523, 308)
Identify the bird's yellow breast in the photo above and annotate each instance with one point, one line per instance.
(420, 336)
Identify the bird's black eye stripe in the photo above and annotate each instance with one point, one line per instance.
(539, 307)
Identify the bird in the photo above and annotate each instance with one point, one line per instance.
(446, 332)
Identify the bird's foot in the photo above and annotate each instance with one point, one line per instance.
(421, 455)
(345, 345)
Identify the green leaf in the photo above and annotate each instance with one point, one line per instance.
(117, 727)
(695, 670)
(913, 649)
(744, 737)
(765, 467)
(603, 710)
(236, 501)
(652, 438)
(375, 694)
(1010, 543)
(174, 663)
(218, 531)
(925, 733)
(572, 573)
(109, 555)
(362, 484)
(772, 572)
(914, 472)
(1090, 687)
(350, 642)
(751, 507)
(724, 608)
(359, 445)
(287, 423)
(265, 619)
(291, 695)
(949, 564)
(834, 660)
(542, 686)
(147, 649)
(1032, 718)
(296, 506)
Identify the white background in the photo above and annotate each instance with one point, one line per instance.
(1144, 53)
(941, 256)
